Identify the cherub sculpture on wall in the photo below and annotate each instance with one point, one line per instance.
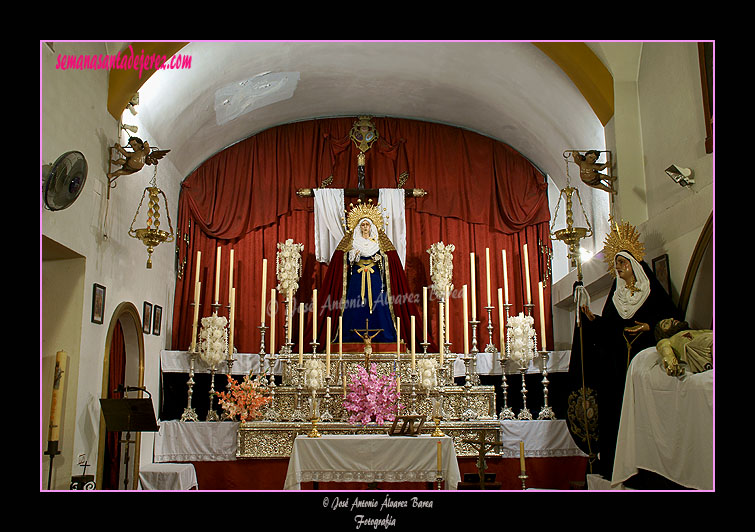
(132, 162)
(589, 170)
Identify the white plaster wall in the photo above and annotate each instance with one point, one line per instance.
(75, 117)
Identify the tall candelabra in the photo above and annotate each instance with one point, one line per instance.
(189, 413)
(546, 412)
(506, 412)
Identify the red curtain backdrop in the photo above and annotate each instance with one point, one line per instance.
(481, 194)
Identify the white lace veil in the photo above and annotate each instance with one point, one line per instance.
(363, 247)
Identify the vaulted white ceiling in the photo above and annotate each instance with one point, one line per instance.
(511, 92)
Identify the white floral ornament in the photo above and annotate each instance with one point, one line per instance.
(441, 267)
(288, 266)
(213, 340)
(427, 373)
(521, 339)
(313, 374)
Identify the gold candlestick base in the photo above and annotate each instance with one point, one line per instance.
(437, 433)
(313, 433)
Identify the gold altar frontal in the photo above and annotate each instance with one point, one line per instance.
(467, 410)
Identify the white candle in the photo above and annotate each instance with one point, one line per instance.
(56, 401)
(340, 337)
(542, 315)
(472, 287)
(505, 277)
(412, 329)
(440, 330)
(527, 274)
(424, 314)
(230, 278)
(289, 308)
(502, 326)
(197, 290)
(314, 315)
(199, 261)
(487, 271)
(217, 276)
(232, 317)
(521, 456)
(448, 315)
(466, 317)
(273, 309)
(301, 334)
(264, 290)
(327, 346)
(398, 337)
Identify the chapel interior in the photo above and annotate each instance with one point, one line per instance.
(491, 108)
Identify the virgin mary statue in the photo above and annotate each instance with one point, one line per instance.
(366, 284)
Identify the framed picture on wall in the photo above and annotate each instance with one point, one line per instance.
(660, 269)
(98, 303)
(147, 318)
(157, 319)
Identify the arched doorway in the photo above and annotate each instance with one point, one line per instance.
(124, 348)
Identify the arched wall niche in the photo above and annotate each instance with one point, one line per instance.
(128, 316)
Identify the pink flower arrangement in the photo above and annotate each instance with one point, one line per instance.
(372, 398)
(242, 399)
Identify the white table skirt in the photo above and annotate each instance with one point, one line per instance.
(488, 364)
(547, 438)
(371, 458)
(167, 477)
(666, 424)
(196, 441)
(180, 362)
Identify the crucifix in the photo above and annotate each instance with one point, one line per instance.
(482, 445)
(363, 133)
(365, 335)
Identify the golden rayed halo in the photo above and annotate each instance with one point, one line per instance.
(364, 210)
(623, 237)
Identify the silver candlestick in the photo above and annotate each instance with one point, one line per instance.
(546, 412)
(225, 416)
(262, 329)
(298, 413)
(474, 324)
(506, 412)
(524, 413)
(327, 416)
(211, 414)
(490, 348)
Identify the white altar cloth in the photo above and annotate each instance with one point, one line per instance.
(371, 458)
(196, 441)
(543, 438)
(666, 424)
(488, 364)
(167, 477)
(180, 362)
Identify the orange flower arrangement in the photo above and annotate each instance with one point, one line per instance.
(243, 399)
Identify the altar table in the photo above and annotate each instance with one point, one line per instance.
(543, 438)
(243, 364)
(371, 458)
(167, 477)
(666, 424)
(196, 441)
(489, 364)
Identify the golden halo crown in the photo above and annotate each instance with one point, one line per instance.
(623, 237)
(364, 210)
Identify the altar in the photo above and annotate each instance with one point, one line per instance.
(373, 458)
